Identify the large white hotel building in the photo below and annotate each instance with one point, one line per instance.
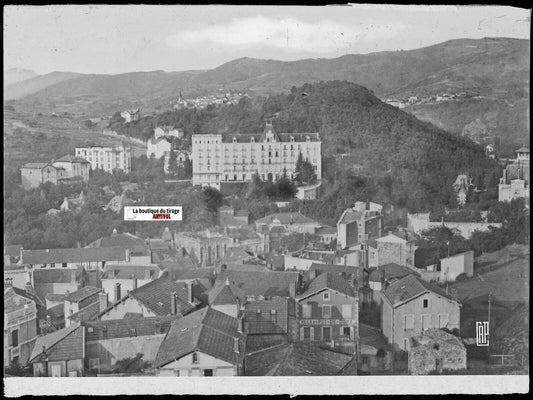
(107, 158)
(236, 157)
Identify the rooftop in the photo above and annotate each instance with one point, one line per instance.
(82, 294)
(266, 317)
(35, 165)
(208, 331)
(128, 271)
(14, 301)
(297, 359)
(49, 341)
(75, 255)
(410, 287)
(72, 159)
(391, 271)
(119, 328)
(126, 240)
(287, 218)
(327, 280)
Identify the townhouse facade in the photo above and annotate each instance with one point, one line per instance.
(131, 115)
(237, 157)
(107, 158)
(359, 225)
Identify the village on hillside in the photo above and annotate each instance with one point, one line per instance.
(234, 300)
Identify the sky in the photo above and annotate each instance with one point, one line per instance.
(107, 39)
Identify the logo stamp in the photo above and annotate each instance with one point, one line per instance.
(482, 333)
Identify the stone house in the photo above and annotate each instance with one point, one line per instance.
(436, 351)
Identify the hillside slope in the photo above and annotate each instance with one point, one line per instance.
(14, 75)
(30, 86)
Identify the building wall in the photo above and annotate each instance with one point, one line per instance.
(73, 169)
(399, 253)
(301, 264)
(30, 177)
(452, 267)
(158, 149)
(423, 359)
(336, 322)
(107, 158)
(24, 322)
(438, 305)
(129, 305)
(185, 366)
(18, 277)
(126, 285)
(67, 367)
(109, 351)
(215, 161)
(230, 309)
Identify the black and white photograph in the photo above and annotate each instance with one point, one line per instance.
(221, 199)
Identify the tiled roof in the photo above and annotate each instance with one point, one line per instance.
(330, 281)
(125, 271)
(234, 254)
(297, 359)
(326, 230)
(340, 270)
(257, 283)
(198, 273)
(155, 295)
(72, 350)
(371, 336)
(82, 293)
(351, 216)
(119, 328)
(221, 293)
(272, 317)
(12, 250)
(242, 233)
(135, 244)
(409, 287)
(14, 301)
(391, 270)
(287, 218)
(59, 256)
(247, 267)
(392, 238)
(55, 275)
(29, 296)
(86, 313)
(70, 158)
(56, 297)
(56, 311)
(35, 165)
(207, 331)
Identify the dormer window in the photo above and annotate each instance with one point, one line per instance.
(292, 139)
(234, 140)
(252, 140)
(307, 139)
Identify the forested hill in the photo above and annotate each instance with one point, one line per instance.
(414, 160)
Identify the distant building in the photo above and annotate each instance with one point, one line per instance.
(436, 351)
(204, 343)
(392, 248)
(359, 224)
(129, 277)
(107, 158)
(168, 131)
(461, 186)
(35, 174)
(418, 223)
(74, 204)
(158, 147)
(453, 266)
(205, 246)
(410, 305)
(237, 157)
(131, 115)
(290, 221)
(74, 167)
(515, 180)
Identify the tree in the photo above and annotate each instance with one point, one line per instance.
(305, 173)
(88, 123)
(173, 163)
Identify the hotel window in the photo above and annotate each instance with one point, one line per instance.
(346, 311)
(326, 311)
(306, 310)
(325, 296)
(408, 322)
(326, 333)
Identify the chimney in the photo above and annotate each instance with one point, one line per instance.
(147, 274)
(190, 297)
(117, 293)
(134, 279)
(102, 298)
(312, 274)
(236, 345)
(292, 290)
(173, 303)
(240, 325)
(114, 232)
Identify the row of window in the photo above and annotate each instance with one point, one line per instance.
(308, 332)
(325, 310)
(425, 321)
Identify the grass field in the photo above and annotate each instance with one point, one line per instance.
(509, 281)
